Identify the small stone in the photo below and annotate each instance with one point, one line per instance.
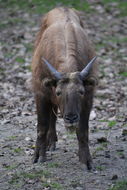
(107, 154)
(102, 139)
(114, 177)
(28, 139)
(92, 115)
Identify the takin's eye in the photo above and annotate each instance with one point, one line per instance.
(58, 92)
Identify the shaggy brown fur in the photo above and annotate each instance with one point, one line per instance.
(62, 41)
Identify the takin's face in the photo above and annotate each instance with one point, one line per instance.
(70, 92)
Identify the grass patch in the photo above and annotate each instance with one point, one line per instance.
(116, 39)
(112, 123)
(120, 153)
(18, 150)
(13, 137)
(11, 22)
(120, 5)
(17, 177)
(19, 60)
(29, 47)
(123, 6)
(53, 186)
(8, 55)
(42, 6)
(100, 168)
(2, 70)
(120, 185)
(100, 148)
(103, 120)
(99, 46)
(10, 167)
(34, 175)
(104, 144)
(53, 165)
(56, 186)
(3, 25)
(123, 74)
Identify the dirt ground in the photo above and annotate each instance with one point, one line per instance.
(107, 28)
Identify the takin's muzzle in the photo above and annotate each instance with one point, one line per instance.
(71, 121)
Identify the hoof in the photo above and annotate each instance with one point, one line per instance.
(42, 159)
(52, 147)
(89, 165)
(39, 159)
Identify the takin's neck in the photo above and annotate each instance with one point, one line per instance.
(68, 65)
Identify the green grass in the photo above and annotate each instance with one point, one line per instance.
(100, 148)
(120, 153)
(123, 74)
(43, 176)
(56, 186)
(42, 6)
(112, 123)
(116, 39)
(121, 5)
(103, 120)
(18, 150)
(2, 70)
(11, 167)
(28, 46)
(113, 40)
(36, 174)
(13, 137)
(100, 168)
(32, 175)
(120, 185)
(53, 165)
(20, 60)
(11, 21)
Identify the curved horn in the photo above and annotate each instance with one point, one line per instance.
(87, 69)
(52, 69)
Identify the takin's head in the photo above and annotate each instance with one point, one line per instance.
(70, 89)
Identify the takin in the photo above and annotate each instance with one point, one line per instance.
(64, 77)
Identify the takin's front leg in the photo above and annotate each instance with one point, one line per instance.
(82, 135)
(51, 135)
(43, 119)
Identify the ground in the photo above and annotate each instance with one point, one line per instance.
(106, 24)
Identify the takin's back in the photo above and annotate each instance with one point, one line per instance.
(62, 41)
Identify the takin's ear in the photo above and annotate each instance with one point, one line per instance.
(92, 81)
(49, 82)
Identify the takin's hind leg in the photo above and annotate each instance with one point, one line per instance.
(51, 135)
(43, 117)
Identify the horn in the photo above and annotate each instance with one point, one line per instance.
(87, 69)
(52, 69)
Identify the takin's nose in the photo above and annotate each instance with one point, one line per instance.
(71, 118)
